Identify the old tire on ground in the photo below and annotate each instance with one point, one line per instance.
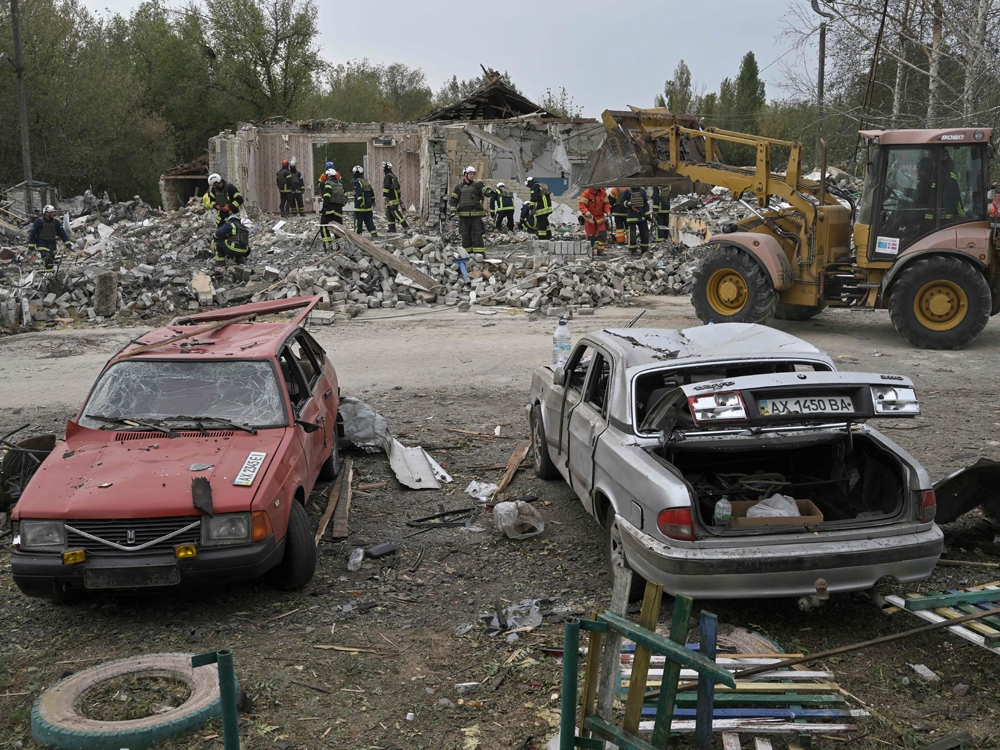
(731, 287)
(331, 467)
(940, 303)
(797, 312)
(298, 565)
(55, 721)
(615, 555)
(544, 467)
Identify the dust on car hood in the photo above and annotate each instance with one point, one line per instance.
(105, 474)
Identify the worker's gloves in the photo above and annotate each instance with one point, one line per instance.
(588, 216)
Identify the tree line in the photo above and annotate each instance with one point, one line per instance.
(114, 102)
(938, 65)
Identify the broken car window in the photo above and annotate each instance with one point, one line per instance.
(597, 390)
(307, 362)
(243, 392)
(578, 367)
(298, 392)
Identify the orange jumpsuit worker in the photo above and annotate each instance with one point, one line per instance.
(595, 207)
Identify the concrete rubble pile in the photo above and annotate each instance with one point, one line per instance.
(133, 264)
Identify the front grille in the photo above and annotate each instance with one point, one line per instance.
(121, 437)
(145, 530)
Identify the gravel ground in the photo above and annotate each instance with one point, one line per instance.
(427, 373)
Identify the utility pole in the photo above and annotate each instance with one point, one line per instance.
(22, 100)
(821, 75)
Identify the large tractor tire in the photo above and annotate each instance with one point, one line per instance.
(731, 287)
(940, 303)
(797, 312)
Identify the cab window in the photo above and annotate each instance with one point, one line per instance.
(295, 383)
(599, 384)
(578, 366)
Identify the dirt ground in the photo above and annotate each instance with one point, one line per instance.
(427, 373)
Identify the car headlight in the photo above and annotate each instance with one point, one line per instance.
(46, 536)
(226, 528)
(719, 407)
(893, 400)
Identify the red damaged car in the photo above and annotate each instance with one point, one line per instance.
(191, 460)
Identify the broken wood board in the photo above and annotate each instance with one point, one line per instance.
(343, 510)
(513, 464)
(413, 467)
(766, 726)
(933, 601)
(420, 279)
(960, 630)
(331, 504)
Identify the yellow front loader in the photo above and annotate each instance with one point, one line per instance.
(919, 242)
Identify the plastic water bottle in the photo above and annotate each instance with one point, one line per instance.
(562, 343)
(723, 511)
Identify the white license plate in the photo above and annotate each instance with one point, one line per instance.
(250, 468)
(776, 407)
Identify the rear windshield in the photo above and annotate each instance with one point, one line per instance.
(243, 392)
(651, 386)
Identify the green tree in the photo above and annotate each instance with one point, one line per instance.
(748, 96)
(677, 94)
(264, 54)
(361, 91)
(560, 104)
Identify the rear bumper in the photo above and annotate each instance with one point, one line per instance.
(781, 569)
(38, 574)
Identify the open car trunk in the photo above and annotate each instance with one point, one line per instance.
(856, 484)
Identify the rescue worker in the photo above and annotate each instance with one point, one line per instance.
(393, 196)
(951, 201)
(334, 199)
(524, 222)
(619, 213)
(467, 202)
(284, 191)
(322, 178)
(364, 200)
(221, 193)
(501, 206)
(595, 208)
(42, 237)
(637, 203)
(660, 200)
(297, 186)
(541, 207)
(232, 238)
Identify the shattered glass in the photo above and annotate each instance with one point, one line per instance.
(243, 392)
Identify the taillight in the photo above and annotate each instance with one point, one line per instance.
(718, 407)
(676, 524)
(928, 506)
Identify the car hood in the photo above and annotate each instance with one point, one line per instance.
(105, 474)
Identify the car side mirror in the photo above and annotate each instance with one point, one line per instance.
(559, 376)
(309, 427)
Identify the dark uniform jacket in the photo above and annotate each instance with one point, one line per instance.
(501, 199)
(282, 178)
(541, 199)
(334, 196)
(364, 195)
(637, 202)
(228, 194)
(232, 235)
(391, 190)
(44, 233)
(467, 198)
(295, 182)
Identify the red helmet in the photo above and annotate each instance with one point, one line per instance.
(284, 162)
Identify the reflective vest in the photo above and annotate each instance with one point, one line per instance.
(541, 199)
(233, 236)
(467, 199)
(391, 190)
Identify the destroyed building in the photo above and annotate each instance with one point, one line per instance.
(495, 129)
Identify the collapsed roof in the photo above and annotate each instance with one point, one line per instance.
(494, 101)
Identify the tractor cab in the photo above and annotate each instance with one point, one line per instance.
(919, 183)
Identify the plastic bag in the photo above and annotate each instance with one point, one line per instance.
(364, 427)
(482, 491)
(773, 507)
(518, 520)
(355, 560)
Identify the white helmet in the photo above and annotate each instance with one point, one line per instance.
(292, 162)
(214, 178)
(500, 185)
(387, 165)
(331, 172)
(528, 181)
(49, 209)
(467, 170)
(358, 170)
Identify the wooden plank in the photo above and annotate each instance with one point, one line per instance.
(767, 713)
(768, 687)
(736, 699)
(647, 622)
(610, 656)
(731, 741)
(513, 464)
(761, 743)
(722, 661)
(588, 699)
(991, 636)
(946, 600)
(794, 675)
(959, 630)
(708, 630)
(340, 516)
(765, 726)
(671, 674)
(384, 256)
(331, 504)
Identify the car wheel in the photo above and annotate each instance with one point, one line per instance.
(940, 303)
(298, 565)
(615, 555)
(544, 467)
(731, 287)
(797, 312)
(331, 467)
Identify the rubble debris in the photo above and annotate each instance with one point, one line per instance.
(380, 550)
(518, 455)
(520, 617)
(414, 467)
(518, 520)
(468, 688)
(364, 428)
(346, 473)
(482, 491)
(355, 560)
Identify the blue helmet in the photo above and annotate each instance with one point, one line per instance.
(329, 165)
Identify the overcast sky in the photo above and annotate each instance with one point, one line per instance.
(606, 54)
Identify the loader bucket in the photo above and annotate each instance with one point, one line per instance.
(629, 155)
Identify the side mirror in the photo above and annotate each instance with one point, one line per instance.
(559, 376)
(990, 195)
(309, 427)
